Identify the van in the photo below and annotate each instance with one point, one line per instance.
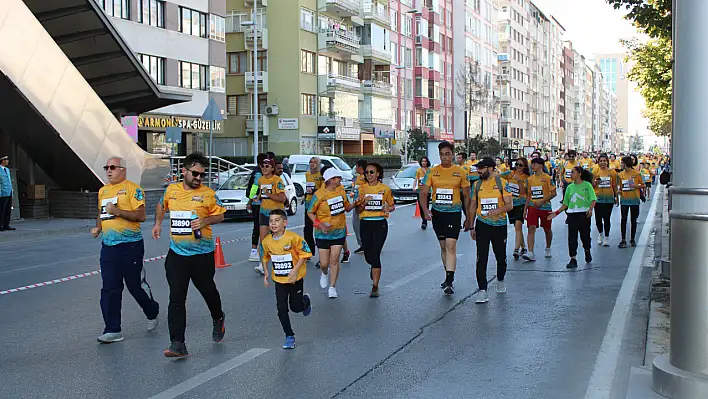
(300, 164)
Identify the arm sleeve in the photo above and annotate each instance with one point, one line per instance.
(314, 204)
(566, 198)
(388, 197)
(465, 182)
(303, 250)
(264, 252)
(137, 198)
(163, 199)
(426, 179)
(216, 207)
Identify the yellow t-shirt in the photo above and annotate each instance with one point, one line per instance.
(445, 186)
(540, 186)
(472, 173)
(567, 169)
(489, 196)
(381, 194)
(630, 196)
(646, 175)
(360, 180)
(587, 163)
(185, 205)
(615, 164)
(128, 196)
(270, 185)
(284, 252)
(330, 207)
(516, 185)
(605, 188)
(313, 182)
(419, 175)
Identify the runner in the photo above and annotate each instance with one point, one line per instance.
(461, 161)
(501, 168)
(271, 192)
(450, 189)
(517, 186)
(473, 175)
(586, 162)
(631, 186)
(647, 178)
(424, 164)
(327, 212)
(288, 253)
(538, 207)
(313, 182)
(489, 206)
(360, 180)
(375, 202)
(605, 184)
(578, 205)
(615, 163)
(254, 205)
(193, 209)
(566, 170)
(121, 210)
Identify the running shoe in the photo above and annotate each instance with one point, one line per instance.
(289, 342)
(482, 297)
(332, 293)
(632, 243)
(324, 281)
(423, 226)
(253, 257)
(219, 330)
(622, 244)
(259, 269)
(588, 256)
(359, 250)
(448, 290)
(345, 257)
(501, 287)
(308, 305)
(599, 239)
(606, 242)
(152, 324)
(522, 251)
(109, 338)
(176, 349)
(516, 254)
(317, 265)
(572, 264)
(530, 257)
(374, 292)
(548, 252)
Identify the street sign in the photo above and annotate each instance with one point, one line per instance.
(288, 123)
(174, 135)
(212, 112)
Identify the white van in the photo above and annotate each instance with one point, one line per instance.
(300, 164)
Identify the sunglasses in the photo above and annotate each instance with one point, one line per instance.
(112, 167)
(196, 174)
(371, 172)
(267, 166)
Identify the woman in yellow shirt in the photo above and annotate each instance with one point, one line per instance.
(517, 185)
(424, 163)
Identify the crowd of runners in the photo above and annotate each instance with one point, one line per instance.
(490, 192)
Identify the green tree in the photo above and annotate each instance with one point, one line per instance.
(484, 146)
(636, 143)
(653, 17)
(417, 144)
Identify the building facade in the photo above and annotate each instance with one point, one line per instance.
(614, 70)
(567, 99)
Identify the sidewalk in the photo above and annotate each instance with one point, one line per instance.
(32, 228)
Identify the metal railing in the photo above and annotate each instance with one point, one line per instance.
(221, 170)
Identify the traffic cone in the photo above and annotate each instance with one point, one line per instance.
(219, 255)
(417, 210)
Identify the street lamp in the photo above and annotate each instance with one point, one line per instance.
(254, 23)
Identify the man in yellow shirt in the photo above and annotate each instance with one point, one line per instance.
(313, 182)
(566, 169)
(121, 209)
(271, 191)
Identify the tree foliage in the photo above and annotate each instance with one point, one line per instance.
(653, 17)
(417, 144)
(473, 88)
(484, 147)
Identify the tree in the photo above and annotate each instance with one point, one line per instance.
(484, 146)
(473, 89)
(636, 143)
(653, 17)
(417, 144)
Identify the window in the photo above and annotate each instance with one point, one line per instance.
(308, 104)
(155, 67)
(116, 8)
(409, 58)
(408, 27)
(307, 61)
(192, 22)
(394, 21)
(394, 53)
(153, 12)
(217, 79)
(237, 62)
(307, 19)
(192, 76)
(232, 104)
(217, 28)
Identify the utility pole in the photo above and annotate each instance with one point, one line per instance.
(683, 372)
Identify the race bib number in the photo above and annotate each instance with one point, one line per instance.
(443, 196)
(420, 181)
(375, 203)
(310, 187)
(625, 185)
(336, 205)
(514, 189)
(488, 204)
(536, 192)
(568, 173)
(265, 190)
(605, 182)
(282, 264)
(181, 223)
(646, 178)
(473, 169)
(104, 214)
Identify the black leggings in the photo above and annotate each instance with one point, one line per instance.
(496, 236)
(623, 227)
(603, 213)
(373, 237)
(309, 238)
(256, 235)
(292, 295)
(578, 223)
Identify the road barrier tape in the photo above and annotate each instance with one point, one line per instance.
(95, 272)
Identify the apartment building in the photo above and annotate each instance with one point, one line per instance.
(567, 99)
(614, 70)
(182, 46)
(597, 83)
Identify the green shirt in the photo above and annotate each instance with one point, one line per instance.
(579, 197)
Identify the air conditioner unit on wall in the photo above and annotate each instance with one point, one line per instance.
(271, 110)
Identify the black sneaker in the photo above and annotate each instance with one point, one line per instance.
(359, 250)
(448, 290)
(176, 349)
(622, 244)
(345, 257)
(443, 285)
(516, 254)
(218, 333)
(317, 265)
(374, 292)
(633, 243)
(572, 264)
(523, 251)
(423, 226)
(588, 256)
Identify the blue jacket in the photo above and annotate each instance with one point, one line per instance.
(5, 182)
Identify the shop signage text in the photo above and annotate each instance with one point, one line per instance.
(288, 123)
(189, 125)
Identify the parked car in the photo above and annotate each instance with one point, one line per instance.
(233, 195)
(300, 164)
(222, 177)
(403, 184)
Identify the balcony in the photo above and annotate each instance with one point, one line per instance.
(505, 98)
(375, 12)
(340, 43)
(261, 3)
(263, 127)
(421, 71)
(422, 102)
(434, 104)
(434, 75)
(260, 78)
(341, 8)
(434, 46)
(261, 37)
(370, 123)
(422, 40)
(376, 87)
(332, 82)
(378, 57)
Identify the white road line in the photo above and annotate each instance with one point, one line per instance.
(405, 280)
(210, 374)
(603, 375)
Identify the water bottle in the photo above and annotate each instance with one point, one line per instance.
(197, 233)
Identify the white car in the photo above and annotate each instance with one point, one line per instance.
(233, 195)
(221, 177)
(300, 164)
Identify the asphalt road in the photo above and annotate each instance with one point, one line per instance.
(539, 340)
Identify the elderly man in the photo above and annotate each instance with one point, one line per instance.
(121, 205)
(5, 194)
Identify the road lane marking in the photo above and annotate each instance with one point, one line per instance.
(405, 280)
(210, 374)
(600, 385)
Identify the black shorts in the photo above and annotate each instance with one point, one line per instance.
(326, 244)
(263, 220)
(648, 184)
(516, 214)
(447, 224)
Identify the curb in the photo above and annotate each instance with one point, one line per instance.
(19, 235)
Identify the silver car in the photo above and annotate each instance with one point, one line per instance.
(233, 195)
(403, 184)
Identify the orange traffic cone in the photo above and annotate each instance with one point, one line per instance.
(219, 255)
(417, 210)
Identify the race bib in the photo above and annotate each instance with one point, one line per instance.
(646, 178)
(282, 264)
(181, 223)
(473, 169)
(265, 190)
(375, 204)
(625, 185)
(336, 205)
(420, 181)
(514, 189)
(443, 196)
(605, 182)
(310, 187)
(536, 192)
(104, 214)
(488, 204)
(568, 173)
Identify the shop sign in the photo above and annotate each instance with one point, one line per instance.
(384, 133)
(326, 133)
(288, 123)
(190, 125)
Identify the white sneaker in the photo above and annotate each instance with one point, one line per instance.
(548, 252)
(332, 292)
(324, 281)
(152, 324)
(599, 239)
(482, 297)
(259, 269)
(529, 256)
(109, 338)
(253, 257)
(501, 287)
(606, 242)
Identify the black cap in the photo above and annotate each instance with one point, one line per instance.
(486, 162)
(538, 160)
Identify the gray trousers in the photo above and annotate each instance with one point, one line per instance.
(357, 229)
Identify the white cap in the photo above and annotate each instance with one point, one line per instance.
(331, 173)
